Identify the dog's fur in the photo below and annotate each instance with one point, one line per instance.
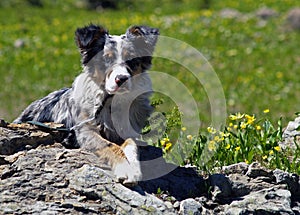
(108, 103)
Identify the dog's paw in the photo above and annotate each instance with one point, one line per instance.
(128, 173)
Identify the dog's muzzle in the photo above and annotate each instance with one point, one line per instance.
(117, 81)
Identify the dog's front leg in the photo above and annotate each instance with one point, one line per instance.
(124, 159)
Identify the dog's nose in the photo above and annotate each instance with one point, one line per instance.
(120, 79)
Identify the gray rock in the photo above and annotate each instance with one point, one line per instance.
(267, 201)
(240, 168)
(229, 13)
(221, 187)
(291, 135)
(190, 207)
(19, 43)
(293, 18)
(291, 180)
(14, 137)
(256, 170)
(47, 178)
(266, 13)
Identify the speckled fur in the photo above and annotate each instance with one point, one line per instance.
(90, 110)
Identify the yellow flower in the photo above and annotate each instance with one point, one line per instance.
(222, 134)
(277, 148)
(166, 139)
(258, 127)
(264, 157)
(235, 126)
(243, 125)
(207, 13)
(183, 129)
(230, 124)
(237, 116)
(211, 130)
(228, 129)
(189, 137)
(162, 142)
(246, 161)
(250, 119)
(211, 145)
(271, 152)
(237, 148)
(168, 146)
(266, 110)
(227, 146)
(217, 138)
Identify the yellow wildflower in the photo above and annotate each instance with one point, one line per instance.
(271, 152)
(246, 161)
(250, 119)
(166, 139)
(258, 127)
(266, 110)
(235, 126)
(211, 130)
(189, 137)
(162, 142)
(277, 148)
(227, 146)
(237, 148)
(168, 146)
(237, 116)
(217, 138)
(264, 157)
(183, 129)
(230, 124)
(211, 145)
(243, 125)
(207, 13)
(222, 134)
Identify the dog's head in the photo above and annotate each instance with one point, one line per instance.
(113, 60)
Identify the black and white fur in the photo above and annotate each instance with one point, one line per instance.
(108, 103)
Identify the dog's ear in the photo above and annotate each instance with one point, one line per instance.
(143, 36)
(90, 40)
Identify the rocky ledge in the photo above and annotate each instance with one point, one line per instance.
(39, 175)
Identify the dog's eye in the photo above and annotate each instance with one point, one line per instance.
(109, 57)
(133, 63)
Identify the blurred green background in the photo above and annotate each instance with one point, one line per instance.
(256, 58)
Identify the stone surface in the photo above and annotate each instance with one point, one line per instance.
(190, 207)
(266, 13)
(293, 18)
(291, 134)
(39, 175)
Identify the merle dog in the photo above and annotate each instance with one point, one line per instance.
(108, 103)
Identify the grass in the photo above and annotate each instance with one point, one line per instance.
(257, 62)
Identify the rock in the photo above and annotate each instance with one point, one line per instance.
(19, 43)
(293, 18)
(190, 207)
(221, 187)
(240, 168)
(256, 170)
(267, 201)
(229, 13)
(291, 135)
(47, 178)
(291, 180)
(15, 137)
(266, 13)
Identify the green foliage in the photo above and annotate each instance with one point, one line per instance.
(243, 139)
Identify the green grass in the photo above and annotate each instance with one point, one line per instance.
(257, 63)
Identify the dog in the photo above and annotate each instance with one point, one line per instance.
(109, 102)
